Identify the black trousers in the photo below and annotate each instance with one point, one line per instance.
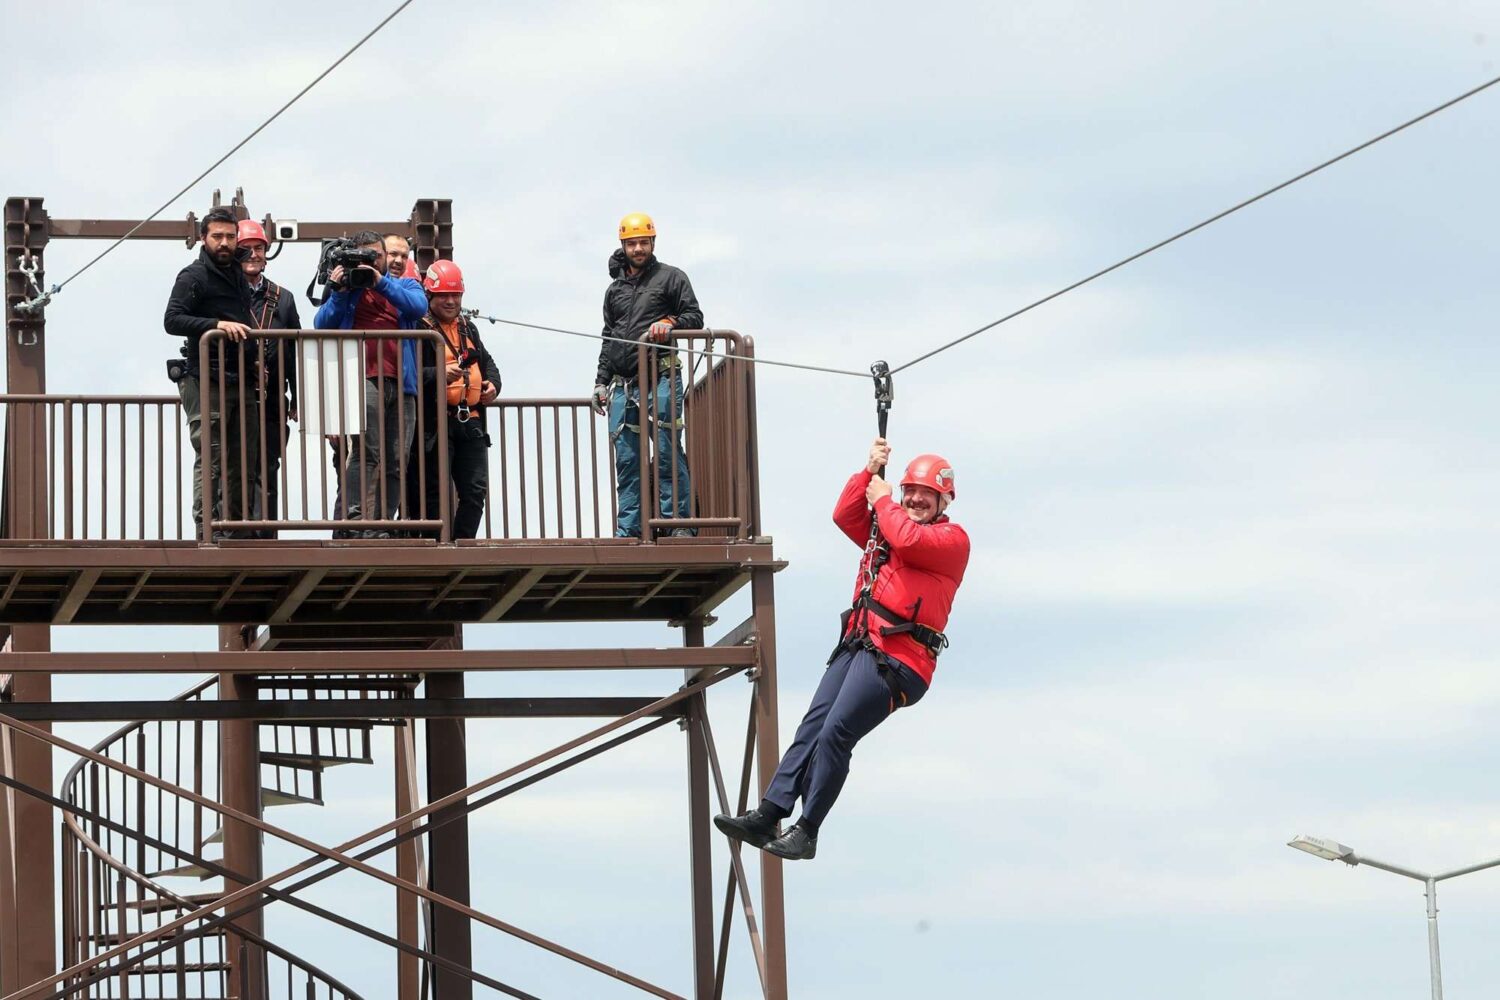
(852, 699)
(273, 437)
(469, 470)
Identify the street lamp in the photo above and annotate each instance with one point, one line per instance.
(1332, 850)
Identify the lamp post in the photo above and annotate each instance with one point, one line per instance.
(1332, 850)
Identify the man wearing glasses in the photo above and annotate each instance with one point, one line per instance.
(272, 308)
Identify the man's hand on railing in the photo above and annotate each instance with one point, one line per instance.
(599, 403)
(236, 332)
(659, 332)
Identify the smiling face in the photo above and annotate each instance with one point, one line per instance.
(254, 263)
(446, 305)
(922, 504)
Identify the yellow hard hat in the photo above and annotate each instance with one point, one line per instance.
(635, 225)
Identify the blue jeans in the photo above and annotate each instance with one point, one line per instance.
(624, 434)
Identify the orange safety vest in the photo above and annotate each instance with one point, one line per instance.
(467, 390)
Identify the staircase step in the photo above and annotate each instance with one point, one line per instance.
(172, 969)
(109, 939)
(163, 905)
(343, 683)
(185, 871)
(274, 797)
(307, 761)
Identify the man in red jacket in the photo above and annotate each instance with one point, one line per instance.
(888, 644)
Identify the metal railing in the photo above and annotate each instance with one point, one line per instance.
(121, 837)
(111, 466)
(358, 412)
(118, 468)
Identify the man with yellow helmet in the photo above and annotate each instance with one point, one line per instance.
(646, 300)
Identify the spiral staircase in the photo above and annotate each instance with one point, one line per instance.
(136, 857)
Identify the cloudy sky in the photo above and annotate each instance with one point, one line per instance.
(1234, 568)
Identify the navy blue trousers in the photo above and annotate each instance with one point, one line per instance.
(851, 700)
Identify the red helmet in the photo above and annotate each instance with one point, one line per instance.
(250, 230)
(410, 271)
(931, 471)
(444, 277)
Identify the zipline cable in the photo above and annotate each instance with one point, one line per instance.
(1206, 222)
(42, 299)
(476, 314)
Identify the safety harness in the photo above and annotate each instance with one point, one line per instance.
(877, 554)
(464, 357)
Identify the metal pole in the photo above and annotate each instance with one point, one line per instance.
(768, 756)
(448, 846)
(30, 835)
(700, 835)
(1432, 940)
(239, 783)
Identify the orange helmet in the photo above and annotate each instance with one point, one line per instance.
(444, 278)
(635, 225)
(931, 471)
(249, 230)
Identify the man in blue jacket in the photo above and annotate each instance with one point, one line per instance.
(371, 486)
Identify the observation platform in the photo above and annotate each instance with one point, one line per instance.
(296, 582)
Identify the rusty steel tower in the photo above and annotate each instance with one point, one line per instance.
(322, 644)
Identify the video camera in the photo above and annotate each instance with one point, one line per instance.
(344, 253)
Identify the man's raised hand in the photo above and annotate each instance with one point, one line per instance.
(880, 456)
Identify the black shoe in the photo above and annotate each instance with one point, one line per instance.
(683, 533)
(754, 828)
(795, 845)
(375, 533)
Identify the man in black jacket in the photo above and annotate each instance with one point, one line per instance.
(468, 379)
(646, 301)
(212, 294)
(272, 308)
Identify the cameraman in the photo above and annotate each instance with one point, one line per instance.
(271, 308)
(473, 381)
(212, 294)
(374, 300)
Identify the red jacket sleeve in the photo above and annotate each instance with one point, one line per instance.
(938, 548)
(851, 513)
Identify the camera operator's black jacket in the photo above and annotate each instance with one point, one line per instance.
(633, 303)
(282, 317)
(204, 294)
(435, 382)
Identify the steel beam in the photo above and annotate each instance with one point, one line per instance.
(700, 835)
(187, 229)
(9, 917)
(742, 634)
(30, 836)
(408, 863)
(512, 593)
(768, 755)
(239, 783)
(374, 661)
(77, 593)
(448, 845)
(325, 709)
(292, 598)
(289, 554)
